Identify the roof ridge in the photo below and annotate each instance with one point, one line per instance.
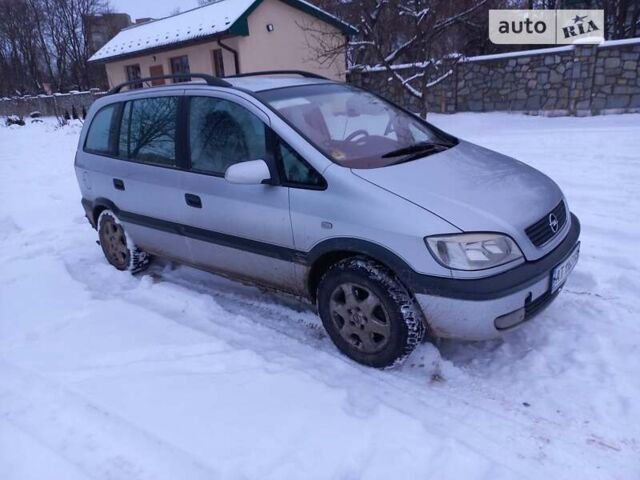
(131, 27)
(324, 12)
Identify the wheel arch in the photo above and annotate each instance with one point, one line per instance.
(98, 206)
(329, 252)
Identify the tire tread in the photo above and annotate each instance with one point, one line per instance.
(383, 276)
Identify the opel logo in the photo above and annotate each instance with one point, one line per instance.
(553, 223)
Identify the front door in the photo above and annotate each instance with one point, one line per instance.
(156, 71)
(241, 230)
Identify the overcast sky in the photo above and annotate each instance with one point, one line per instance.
(151, 8)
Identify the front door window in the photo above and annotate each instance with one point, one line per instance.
(223, 133)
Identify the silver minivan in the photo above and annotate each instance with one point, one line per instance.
(393, 228)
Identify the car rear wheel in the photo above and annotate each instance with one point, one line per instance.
(368, 313)
(117, 246)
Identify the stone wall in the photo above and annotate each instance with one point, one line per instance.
(616, 79)
(48, 105)
(571, 80)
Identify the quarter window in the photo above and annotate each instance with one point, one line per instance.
(148, 131)
(102, 133)
(295, 170)
(223, 133)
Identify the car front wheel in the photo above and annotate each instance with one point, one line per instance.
(368, 313)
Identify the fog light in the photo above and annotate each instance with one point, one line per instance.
(509, 320)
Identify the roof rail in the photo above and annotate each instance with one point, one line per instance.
(210, 79)
(302, 73)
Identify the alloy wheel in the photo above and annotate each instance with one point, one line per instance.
(114, 242)
(360, 317)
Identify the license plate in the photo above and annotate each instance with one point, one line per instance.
(561, 272)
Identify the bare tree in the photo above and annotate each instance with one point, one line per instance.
(40, 33)
(622, 18)
(72, 15)
(422, 37)
(21, 51)
(45, 41)
(427, 24)
(58, 42)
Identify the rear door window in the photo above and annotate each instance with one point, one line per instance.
(102, 132)
(148, 131)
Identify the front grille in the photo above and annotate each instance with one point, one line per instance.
(541, 232)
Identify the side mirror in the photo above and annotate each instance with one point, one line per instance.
(253, 172)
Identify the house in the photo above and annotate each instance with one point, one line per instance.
(229, 37)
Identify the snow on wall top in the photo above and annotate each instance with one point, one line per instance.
(619, 43)
(199, 22)
(522, 53)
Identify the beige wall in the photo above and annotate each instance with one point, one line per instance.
(200, 61)
(288, 47)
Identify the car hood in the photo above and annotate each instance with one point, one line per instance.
(473, 188)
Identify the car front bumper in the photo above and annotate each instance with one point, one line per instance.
(481, 309)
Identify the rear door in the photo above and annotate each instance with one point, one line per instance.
(146, 177)
(241, 230)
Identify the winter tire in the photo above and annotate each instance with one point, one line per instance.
(117, 246)
(368, 313)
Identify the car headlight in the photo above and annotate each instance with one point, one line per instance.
(473, 251)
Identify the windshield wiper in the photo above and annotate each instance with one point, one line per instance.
(422, 147)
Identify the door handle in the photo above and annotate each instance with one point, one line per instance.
(118, 184)
(193, 200)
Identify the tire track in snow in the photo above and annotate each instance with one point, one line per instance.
(446, 412)
(276, 314)
(76, 245)
(100, 444)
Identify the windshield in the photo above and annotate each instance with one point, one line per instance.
(354, 128)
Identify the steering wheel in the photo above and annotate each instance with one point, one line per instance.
(358, 133)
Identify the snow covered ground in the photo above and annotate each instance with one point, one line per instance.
(179, 374)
